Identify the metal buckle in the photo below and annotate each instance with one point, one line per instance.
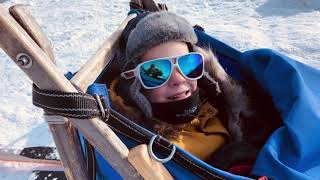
(164, 160)
(105, 113)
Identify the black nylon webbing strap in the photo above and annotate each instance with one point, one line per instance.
(80, 105)
(120, 124)
(74, 105)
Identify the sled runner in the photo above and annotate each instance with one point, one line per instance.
(95, 151)
(35, 162)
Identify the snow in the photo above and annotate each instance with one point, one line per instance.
(78, 28)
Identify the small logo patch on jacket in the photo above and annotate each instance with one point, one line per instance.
(188, 112)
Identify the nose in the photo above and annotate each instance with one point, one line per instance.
(176, 78)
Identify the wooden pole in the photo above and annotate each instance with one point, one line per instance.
(64, 135)
(91, 70)
(8, 156)
(148, 167)
(138, 157)
(28, 23)
(38, 67)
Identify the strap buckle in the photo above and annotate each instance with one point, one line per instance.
(105, 112)
(164, 160)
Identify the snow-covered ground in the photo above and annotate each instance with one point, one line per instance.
(78, 27)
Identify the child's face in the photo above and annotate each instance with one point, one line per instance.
(178, 87)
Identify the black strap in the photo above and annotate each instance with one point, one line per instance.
(74, 105)
(80, 105)
(126, 127)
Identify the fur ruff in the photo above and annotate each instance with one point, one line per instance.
(236, 99)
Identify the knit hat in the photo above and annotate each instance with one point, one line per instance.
(157, 28)
(149, 30)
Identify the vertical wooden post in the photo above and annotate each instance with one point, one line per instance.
(14, 41)
(64, 135)
(97, 133)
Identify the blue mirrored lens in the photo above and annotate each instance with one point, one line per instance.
(191, 65)
(155, 73)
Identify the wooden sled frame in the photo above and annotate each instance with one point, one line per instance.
(23, 41)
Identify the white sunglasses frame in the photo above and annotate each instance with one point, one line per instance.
(174, 63)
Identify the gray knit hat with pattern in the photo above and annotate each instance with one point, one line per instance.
(150, 31)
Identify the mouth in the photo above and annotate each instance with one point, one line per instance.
(180, 96)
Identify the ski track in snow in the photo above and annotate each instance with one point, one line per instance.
(78, 28)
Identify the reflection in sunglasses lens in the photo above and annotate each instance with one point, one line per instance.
(155, 73)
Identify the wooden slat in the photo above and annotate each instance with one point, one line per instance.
(65, 138)
(91, 70)
(25, 19)
(68, 147)
(44, 74)
(147, 166)
(4, 156)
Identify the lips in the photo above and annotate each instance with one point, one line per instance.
(181, 95)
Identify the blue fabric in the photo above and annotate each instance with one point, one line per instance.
(180, 173)
(101, 90)
(68, 75)
(104, 171)
(292, 152)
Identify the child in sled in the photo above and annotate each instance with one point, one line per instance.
(177, 89)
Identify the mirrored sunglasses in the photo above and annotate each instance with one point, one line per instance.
(155, 73)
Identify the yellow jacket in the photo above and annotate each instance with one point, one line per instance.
(201, 137)
(204, 134)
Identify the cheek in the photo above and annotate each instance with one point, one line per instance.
(160, 95)
(193, 85)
